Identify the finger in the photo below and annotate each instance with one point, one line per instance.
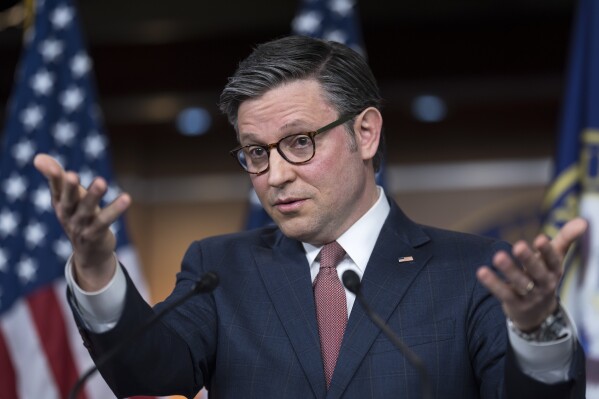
(496, 285)
(107, 216)
(52, 171)
(534, 266)
(569, 233)
(89, 205)
(515, 277)
(70, 195)
(552, 259)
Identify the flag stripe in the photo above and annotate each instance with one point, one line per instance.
(34, 379)
(50, 323)
(8, 389)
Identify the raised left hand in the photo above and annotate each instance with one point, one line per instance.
(529, 293)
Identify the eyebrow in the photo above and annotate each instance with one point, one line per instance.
(256, 137)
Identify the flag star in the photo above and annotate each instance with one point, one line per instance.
(307, 22)
(58, 157)
(8, 222)
(94, 145)
(63, 248)
(23, 152)
(86, 176)
(80, 64)
(34, 234)
(337, 35)
(31, 117)
(64, 132)
(71, 98)
(3, 260)
(341, 7)
(51, 49)
(61, 17)
(26, 269)
(41, 199)
(42, 82)
(111, 193)
(14, 187)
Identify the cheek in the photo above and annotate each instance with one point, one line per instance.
(333, 181)
(321, 174)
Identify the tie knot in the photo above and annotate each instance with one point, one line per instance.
(331, 254)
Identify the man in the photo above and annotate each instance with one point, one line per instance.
(280, 325)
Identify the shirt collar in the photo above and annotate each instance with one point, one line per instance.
(358, 241)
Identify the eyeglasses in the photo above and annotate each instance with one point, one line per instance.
(295, 149)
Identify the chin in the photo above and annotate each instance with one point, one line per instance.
(291, 230)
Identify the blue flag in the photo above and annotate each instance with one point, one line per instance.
(575, 187)
(334, 20)
(53, 110)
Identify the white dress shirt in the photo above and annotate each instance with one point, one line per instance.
(358, 242)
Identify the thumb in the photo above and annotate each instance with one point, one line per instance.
(569, 233)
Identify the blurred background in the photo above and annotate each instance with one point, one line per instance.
(472, 92)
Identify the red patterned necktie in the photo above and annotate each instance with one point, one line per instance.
(331, 306)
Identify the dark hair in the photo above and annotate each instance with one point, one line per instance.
(344, 75)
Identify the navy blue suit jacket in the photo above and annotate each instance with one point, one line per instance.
(256, 336)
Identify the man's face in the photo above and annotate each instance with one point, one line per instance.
(317, 201)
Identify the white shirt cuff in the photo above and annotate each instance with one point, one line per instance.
(100, 310)
(548, 362)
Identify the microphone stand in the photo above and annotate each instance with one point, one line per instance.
(351, 281)
(206, 284)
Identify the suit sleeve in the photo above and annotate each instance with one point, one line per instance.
(520, 385)
(158, 363)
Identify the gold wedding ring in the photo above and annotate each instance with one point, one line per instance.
(530, 286)
(526, 291)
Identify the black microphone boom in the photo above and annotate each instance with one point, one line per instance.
(351, 281)
(205, 285)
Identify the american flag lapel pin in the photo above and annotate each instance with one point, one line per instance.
(405, 259)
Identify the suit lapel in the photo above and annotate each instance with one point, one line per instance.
(286, 275)
(384, 283)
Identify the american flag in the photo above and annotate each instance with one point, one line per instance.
(334, 20)
(53, 109)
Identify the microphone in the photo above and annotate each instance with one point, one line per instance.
(351, 281)
(205, 285)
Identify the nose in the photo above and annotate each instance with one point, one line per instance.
(280, 171)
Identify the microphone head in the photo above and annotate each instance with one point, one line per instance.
(207, 283)
(351, 281)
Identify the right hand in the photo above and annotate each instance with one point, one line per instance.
(84, 222)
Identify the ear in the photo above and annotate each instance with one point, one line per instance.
(367, 129)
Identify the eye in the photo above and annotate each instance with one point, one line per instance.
(300, 141)
(255, 152)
